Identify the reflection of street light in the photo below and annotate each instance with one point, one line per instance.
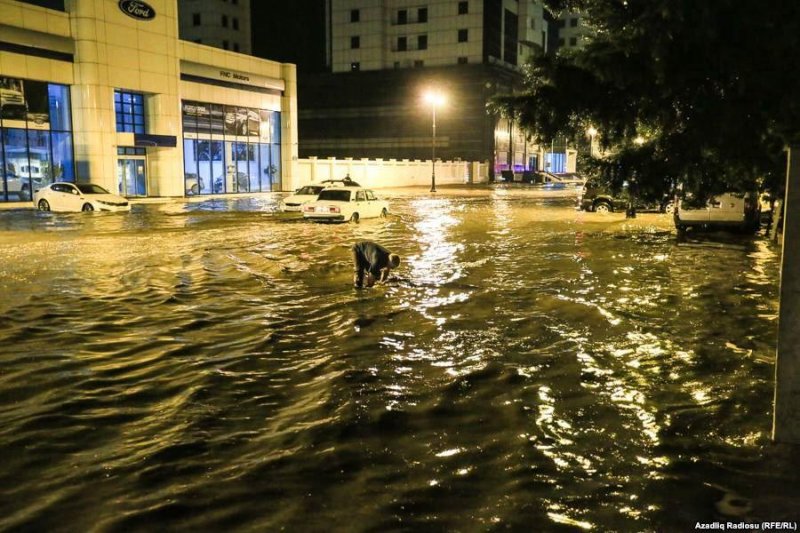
(434, 98)
(591, 132)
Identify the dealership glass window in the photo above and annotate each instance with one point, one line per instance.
(265, 172)
(39, 161)
(58, 96)
(129, 108)
(35, 138)
(226, 147)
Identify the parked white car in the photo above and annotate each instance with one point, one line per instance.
(64, 196)
(301, 196)
(341, 204)
(728, 210)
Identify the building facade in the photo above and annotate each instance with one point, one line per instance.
(105, 92)
(220, 23)
(384, 54)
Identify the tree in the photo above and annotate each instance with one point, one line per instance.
(709, 85)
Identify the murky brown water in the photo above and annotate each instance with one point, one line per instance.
(209, 367)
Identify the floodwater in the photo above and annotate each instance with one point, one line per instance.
(209, 366)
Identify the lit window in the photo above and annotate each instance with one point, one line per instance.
(129, 108)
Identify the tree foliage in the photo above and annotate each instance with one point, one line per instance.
(710, 85)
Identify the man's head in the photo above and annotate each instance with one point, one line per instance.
(394, 260)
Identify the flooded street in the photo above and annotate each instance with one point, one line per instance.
(209, 366)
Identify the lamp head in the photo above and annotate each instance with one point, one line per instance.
(434, 98)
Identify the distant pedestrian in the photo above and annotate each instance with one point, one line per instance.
(348, 182)
(372, 263)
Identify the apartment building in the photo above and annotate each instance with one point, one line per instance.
(220, 23)
(383, 55)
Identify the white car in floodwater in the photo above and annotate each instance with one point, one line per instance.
(65, 196)
(342, 204)
(301, 196)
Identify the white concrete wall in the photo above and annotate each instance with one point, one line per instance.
(380, 173)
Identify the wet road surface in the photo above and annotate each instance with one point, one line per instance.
(209, 366)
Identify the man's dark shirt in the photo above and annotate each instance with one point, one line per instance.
(369, 257)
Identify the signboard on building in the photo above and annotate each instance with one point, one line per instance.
(231, 76)
(137, 9)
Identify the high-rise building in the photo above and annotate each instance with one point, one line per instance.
(220, 23)
(571, 31)
(382, 55)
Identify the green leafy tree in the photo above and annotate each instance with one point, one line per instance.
(710, 86)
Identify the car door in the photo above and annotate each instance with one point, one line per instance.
(74, 198)
(60, 197)
(362, 207)
(690, 212)
(726, 208)
(374, 204)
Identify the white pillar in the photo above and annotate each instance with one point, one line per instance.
(786, 421)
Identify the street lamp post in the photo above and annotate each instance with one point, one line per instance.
(434, 99)
(591, 132)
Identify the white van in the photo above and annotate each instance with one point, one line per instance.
(727, 210)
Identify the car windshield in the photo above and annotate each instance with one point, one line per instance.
(308, 190)
(335, 195)
(89, 188)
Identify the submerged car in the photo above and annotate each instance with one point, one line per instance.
(599, 198)
(341, 204)
(65, 196)
(301, 196)
(728, 210)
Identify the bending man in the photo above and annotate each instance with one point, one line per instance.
(372, 261)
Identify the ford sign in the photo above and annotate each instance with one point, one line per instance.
(137, 9)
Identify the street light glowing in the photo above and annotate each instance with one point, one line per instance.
(591, 132)
(639, 140)
(434, 99)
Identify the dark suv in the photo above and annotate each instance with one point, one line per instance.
(599, 198)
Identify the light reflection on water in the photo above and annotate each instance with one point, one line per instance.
(209, 366)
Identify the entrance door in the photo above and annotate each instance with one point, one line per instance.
(131, 176)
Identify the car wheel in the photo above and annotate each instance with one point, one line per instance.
(87, 207)
(384, 212)
(354, 217)
(195, 189)
(44, 205)
(602, 207)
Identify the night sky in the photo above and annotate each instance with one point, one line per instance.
(290, 32)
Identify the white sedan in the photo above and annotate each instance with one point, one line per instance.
(303, 195)
(340, 204)
(64, 196)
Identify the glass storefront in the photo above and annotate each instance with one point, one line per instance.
(230, 149)
(36, 133)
